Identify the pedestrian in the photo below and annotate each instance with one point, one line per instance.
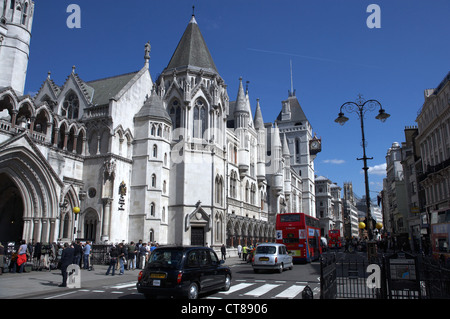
(239, 248)
(66, 260)
(2, 256)
(22, 255)
(223, 250)
(138, 253)
(121, 252)
(113, 254)
(78, 251)
(86, 253)
(37, 253)
(244, 252)
(143, 255)
(132, 256)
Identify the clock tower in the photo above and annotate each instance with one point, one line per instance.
(303, 147)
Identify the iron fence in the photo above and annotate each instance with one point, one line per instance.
(400, 276)
(100, 254)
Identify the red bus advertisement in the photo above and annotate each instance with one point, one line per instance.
(440, 236)
(334, 238)
(301, 235)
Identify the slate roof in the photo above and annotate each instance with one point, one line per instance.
(154, 109)
(106, 89)
(297, 114)
(192, 51)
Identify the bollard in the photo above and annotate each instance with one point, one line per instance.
(307, 293)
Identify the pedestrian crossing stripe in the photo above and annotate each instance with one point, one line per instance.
(261, 290)
(291, 292)
(288, 293)
(236, 288)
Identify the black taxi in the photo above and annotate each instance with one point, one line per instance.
(182, 271)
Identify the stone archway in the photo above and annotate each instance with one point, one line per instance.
(25, 170)
(11, 211)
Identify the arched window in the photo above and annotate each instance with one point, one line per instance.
(200, 119)
(153, 180)
(247, 192)
(24, 14)
(253, 194)
(155, 151)
(65, 233)
(71, 106)
(219, 190)
(152, 209)
(152, 235)
(175, 114)
(233, 181)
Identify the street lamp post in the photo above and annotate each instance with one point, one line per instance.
(360, 108)
(76, 211)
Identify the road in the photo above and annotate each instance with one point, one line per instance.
(245, 285)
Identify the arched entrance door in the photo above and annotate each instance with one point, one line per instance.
(90, 226)
(11, 211)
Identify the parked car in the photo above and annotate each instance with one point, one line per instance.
(272, 256)
(183, 272)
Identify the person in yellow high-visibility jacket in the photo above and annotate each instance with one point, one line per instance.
(244, 252)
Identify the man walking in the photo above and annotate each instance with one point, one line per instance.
(66, 260)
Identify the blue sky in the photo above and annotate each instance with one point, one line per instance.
(335, 57)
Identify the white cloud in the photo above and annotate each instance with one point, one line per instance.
(378, 169)
(334, 161)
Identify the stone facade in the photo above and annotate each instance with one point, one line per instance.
(172, 160)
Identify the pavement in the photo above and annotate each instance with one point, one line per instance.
(28, 285)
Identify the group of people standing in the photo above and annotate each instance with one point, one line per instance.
(131, 256)
(245, 251)
(41, 256)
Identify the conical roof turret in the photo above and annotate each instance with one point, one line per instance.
(192, 51)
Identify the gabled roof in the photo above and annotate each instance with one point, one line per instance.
(192, 50)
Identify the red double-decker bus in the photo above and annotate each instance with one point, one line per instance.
(334, 238)
(300, 233)
(440, 236)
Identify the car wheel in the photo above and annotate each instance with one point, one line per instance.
(193, 291)
(227, 285)
(280, 268)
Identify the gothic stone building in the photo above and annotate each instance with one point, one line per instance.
(172, 160)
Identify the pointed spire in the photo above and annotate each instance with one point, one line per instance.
(276, 141)
(259, 122)
(241, 100)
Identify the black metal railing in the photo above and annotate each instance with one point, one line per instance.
(401, 276)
